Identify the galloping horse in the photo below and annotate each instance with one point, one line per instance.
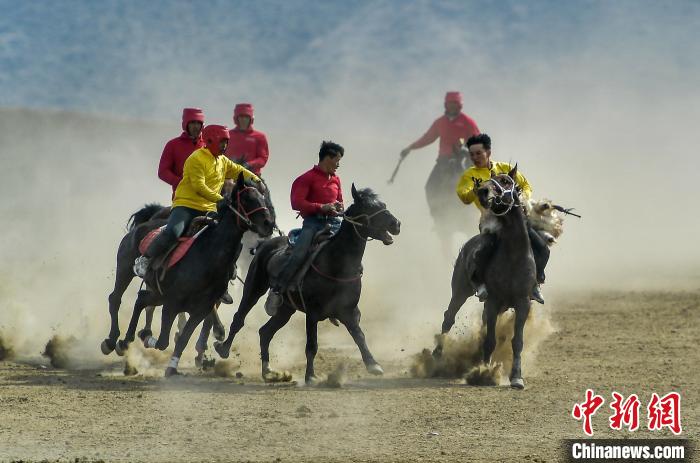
(330, 289)
(510, 274)
(197, 282)
(156, 215)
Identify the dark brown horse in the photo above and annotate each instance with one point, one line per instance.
(510, 274)
(330, 289)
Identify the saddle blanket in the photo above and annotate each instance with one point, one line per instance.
(176, 254)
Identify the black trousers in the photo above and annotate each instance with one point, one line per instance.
(180, 218)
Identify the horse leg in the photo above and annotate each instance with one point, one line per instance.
(490, 315)
(143, 299)
(218, 327)
(147, 331)
(121, 282)
(195, 319)
(461, 290)
(353, 327)
(267, 332)
(311, 347)
(201, 345)
(522, 310)
(253, 290)
(181, 320)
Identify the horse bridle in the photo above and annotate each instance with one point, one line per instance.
(355, 223)
(241, 213)
(497, 199)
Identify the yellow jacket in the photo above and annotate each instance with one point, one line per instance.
(202, 178)
(465, 186)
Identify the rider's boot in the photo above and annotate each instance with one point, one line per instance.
(537, 294)
(226, 298)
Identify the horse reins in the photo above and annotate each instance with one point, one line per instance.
(353, 221)
(355, 224)
(241, 213)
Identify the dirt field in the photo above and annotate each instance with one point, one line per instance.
(631, 342)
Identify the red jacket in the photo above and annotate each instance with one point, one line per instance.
(249, 146)
(173, 159)
(449, 131)
(313, 189)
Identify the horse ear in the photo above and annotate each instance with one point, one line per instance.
(513, 172)
(240, 181)
(355, 196)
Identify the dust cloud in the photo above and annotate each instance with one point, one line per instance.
(602, 125)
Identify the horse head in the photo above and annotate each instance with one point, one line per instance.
(370, 217)
(248, 204)
(500, 193)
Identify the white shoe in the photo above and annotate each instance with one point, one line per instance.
(141, 266)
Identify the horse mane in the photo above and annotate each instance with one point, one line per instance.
(368, 196)
(143, 215)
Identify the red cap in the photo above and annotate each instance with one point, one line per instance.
(453, 97)
(212, 136)
(191, 114)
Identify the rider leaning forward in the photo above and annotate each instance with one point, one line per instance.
(480, 153)
(197, 193)
(318, 197)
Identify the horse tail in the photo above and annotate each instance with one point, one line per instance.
(143, 215)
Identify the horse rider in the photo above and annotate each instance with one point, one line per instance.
(452, 126)
(318, 197)
(197, 193)
(480, 153)
(177, 150)
(247, 144)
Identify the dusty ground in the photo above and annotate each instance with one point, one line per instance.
(631, 342)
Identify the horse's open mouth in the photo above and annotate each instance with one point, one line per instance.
(387, 238)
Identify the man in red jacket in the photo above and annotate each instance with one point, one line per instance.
(247, 145)
(178, 149)
(450, 128)
(318, 197)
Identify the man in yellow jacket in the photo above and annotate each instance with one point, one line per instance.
(480, 153)
(198, 192)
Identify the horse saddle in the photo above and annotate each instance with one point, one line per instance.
(178, 250)
(318, 242)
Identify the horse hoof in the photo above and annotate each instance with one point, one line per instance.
(150, 342)
(437, 352)
(221, 349)
(311, 380)
(199, 360)
(517, 383)
(375, 369)
(121, 348)
(145, 334)
(107, 346)
(170, 371)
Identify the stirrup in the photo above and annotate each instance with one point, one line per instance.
(273, 303)
(537, 294)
